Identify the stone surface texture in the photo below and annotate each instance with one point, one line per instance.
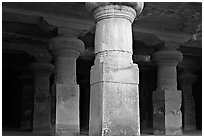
(42, 105)
(66, 51)
(65, 89)
(186, 81)
(167, 117)
(167, 60)
(27, 101)
(114, 101)
(137, 6)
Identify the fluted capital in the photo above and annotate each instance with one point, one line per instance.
(103, 10)
(42, 69)
(62, 46)
(167, 57)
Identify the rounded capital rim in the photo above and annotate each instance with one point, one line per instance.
(167, 56)
(62, 42)
(114, 11)
(137, 6)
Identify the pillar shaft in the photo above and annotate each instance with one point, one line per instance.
(114, 101)
(186, 81)
(167, 117)
(65, 71)
(167, 77)
(66, 118)
(42, 106)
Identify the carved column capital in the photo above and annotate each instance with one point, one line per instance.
(42, 56)
(62, 46)
(103, 10)
(190, 65)
(167, 57)
(42, 69)
(167, 60)
(187, 78)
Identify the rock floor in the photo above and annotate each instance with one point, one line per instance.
(19, 132)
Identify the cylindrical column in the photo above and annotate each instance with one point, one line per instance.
(186, 81)
(167, 117)
(42, 106)
(114, 101)
(66, 51)
(167, 60)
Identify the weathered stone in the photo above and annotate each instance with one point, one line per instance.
(41, 121)
(27, 101)
(167, 60)
(42, 102)
(167, 117)
(137, 6)
(166, 112)
(67, 109)
(65, 89)
(114, 101)
(66, 51)
(186, 81)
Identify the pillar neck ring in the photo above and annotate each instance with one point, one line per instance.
(114, 11)
(114, 58)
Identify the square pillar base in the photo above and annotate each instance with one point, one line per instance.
(114, 101)
(167, 117)
(42, 132)
(41, 116)
(67, 110)
(189, 113)
(26, 113)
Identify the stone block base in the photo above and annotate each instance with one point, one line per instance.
(190, 122)
(43, 131)
(67, 110)
(67, 130)
(114, 101)
(26, 112)
(167, 117)
(189, 113)
(41, 116)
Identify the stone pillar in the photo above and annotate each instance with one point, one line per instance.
(167, 117)
(27, 101)
(114, 97)
(66, 51)
(42, 105)
(186, 81)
